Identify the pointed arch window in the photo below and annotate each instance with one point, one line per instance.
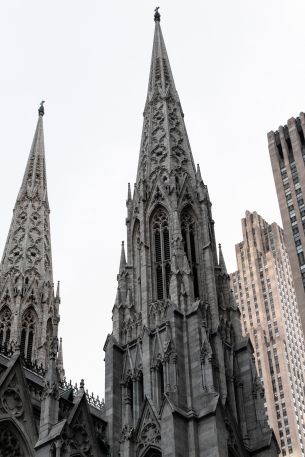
(5, 326)
(11, 441)
(189, 234)
(28, 328)
(161, 253)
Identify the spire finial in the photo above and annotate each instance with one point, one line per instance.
(41, 108)
(157, 14)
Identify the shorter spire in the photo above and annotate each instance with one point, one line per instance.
(60, 361)
(58, 292)
(123, 258)
(41, 108)
(198, 173)
(221, 261)
(157, 16)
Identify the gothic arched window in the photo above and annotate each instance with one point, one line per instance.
(27, 334)
(5, 326)
(11, 441)
(161, 253)
(189, 234)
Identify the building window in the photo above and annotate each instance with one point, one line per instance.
(28, 334)
(5, 326)
(160, 232)
(189, 234)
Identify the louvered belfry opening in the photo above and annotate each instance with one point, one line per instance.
(160, 232)
(5, 326)
(27, 335)
(189, 234)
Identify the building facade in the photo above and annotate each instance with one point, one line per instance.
(287, 154)
(180, 377)
(264, 290)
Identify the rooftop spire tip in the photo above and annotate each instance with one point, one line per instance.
(41, 108)
(157, 16)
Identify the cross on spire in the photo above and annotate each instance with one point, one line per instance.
(157, 14)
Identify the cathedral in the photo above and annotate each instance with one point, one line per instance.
(180, 379)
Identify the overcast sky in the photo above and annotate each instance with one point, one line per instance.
(239, 68)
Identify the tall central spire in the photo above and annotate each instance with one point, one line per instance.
(164, 144)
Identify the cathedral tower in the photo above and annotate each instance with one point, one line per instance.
(180, 378)
(29, 310)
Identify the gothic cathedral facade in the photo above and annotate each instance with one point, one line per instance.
(180, 380)
(180, 377)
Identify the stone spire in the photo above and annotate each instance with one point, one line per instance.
(122, 259)
(60, 361)
(164, 144)
(221, 261)
(26, 277)
(28, 246)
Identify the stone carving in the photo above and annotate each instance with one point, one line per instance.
(149, 433)
(10, 444)
(5, 326)
(158, 135)
(127, 433)
(80, 439)
(11, 401)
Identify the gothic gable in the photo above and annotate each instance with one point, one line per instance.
(15, 400)
(148, 431)
(80, 430)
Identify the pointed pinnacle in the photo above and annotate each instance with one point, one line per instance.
(129, 193)
(198, 173)
(221, 260)
(123, 258)
(58, 291)
(60, 364)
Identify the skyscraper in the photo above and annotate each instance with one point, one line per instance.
(263, 289)
(180, 378)
(287, 154)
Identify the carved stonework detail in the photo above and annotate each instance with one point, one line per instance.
(80, 440)
(9, 443)
(11, 402)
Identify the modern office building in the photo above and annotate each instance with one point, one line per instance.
(287, 154)
(264, 290)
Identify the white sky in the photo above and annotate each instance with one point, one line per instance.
(239, 68)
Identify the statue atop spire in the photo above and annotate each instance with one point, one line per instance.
(157, 14)
(41, 108)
